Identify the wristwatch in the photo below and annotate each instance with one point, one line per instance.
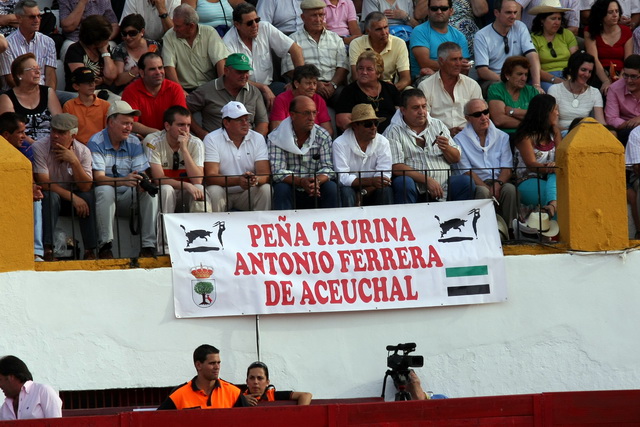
(335, 86)
(364, 192)
(553, 79)
(164, 15)
(511, 112)
(106, 54)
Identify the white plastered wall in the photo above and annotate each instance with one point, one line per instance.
(570, 323)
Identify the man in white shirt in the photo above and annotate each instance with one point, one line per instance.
(505, 37)
(256, 40)
(362, 159)
(25, 399)
(237, 163)
(486, 156)
(422, 154)
(448, 90)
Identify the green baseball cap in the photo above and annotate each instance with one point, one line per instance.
(239, 61)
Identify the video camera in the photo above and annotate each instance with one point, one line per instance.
(147, 185)
(399, 367)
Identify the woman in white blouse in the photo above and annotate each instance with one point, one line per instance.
(575, 97)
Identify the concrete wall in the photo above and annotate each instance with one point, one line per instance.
(570, 324)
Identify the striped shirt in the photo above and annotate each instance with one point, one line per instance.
(43, 47)
(285, 163)
(328, 54)
(128, 158)
(430, 158)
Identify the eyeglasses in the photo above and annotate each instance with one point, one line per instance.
(36, 68)
(250, 23)
(506, 44)
(438, 8)
(130, 33)
(632, 77)
(306, 113)
(479, 113)
(176, 161)
(369, 123)
(114, 171)
(33, 17)
(553, 51)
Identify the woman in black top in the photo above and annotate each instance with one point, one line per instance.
(369, 88)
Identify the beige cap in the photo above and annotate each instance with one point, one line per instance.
(312, 4)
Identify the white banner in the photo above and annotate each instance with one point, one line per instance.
(381, 257)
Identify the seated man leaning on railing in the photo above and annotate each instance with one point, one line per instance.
(119, 165)
(237, 163)
(422, 154)
(176, 158)
(63, 169)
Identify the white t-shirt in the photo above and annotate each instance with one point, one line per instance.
(586, 102)
(219, 148)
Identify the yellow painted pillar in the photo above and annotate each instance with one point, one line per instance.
(16, 209)
(592, 204)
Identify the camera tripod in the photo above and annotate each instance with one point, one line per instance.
(400, 381)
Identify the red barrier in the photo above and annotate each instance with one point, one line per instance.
(535, 410)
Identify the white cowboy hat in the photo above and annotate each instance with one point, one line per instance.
(540, 222)
(548, 6)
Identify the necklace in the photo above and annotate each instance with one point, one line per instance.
(576, 101)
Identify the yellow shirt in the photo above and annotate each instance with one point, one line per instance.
(395, 55)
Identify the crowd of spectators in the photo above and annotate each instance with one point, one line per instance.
(171, 94)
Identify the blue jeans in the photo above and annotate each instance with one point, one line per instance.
(381, 196)
(529, 191)
(546, 85)
(38, 248)
(461, 187)
(283, 197)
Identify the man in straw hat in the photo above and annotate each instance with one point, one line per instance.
(422, 154)
(301, 164)
(362, 159)
(118, 164)
(63, 169)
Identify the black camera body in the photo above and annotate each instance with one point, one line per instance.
(147, 185)
(400, 366)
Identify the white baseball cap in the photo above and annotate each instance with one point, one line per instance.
(234, 110)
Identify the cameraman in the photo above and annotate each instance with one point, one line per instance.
(414, 387)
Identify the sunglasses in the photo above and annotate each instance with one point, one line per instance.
(114, 171)
(506, 44)
(369, 123)
(250, 23)
(130, 33)
(176, 161)
(479, 113)
(553, 51)
(438, 8)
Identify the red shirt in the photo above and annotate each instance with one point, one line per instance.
(613, 54)
(280, 110)
(153, 107)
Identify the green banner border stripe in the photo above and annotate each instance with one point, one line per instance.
(475, 270)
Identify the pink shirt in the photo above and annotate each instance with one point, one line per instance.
(280, 110)
(36, 401)
(338, 16)
(621, 105)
